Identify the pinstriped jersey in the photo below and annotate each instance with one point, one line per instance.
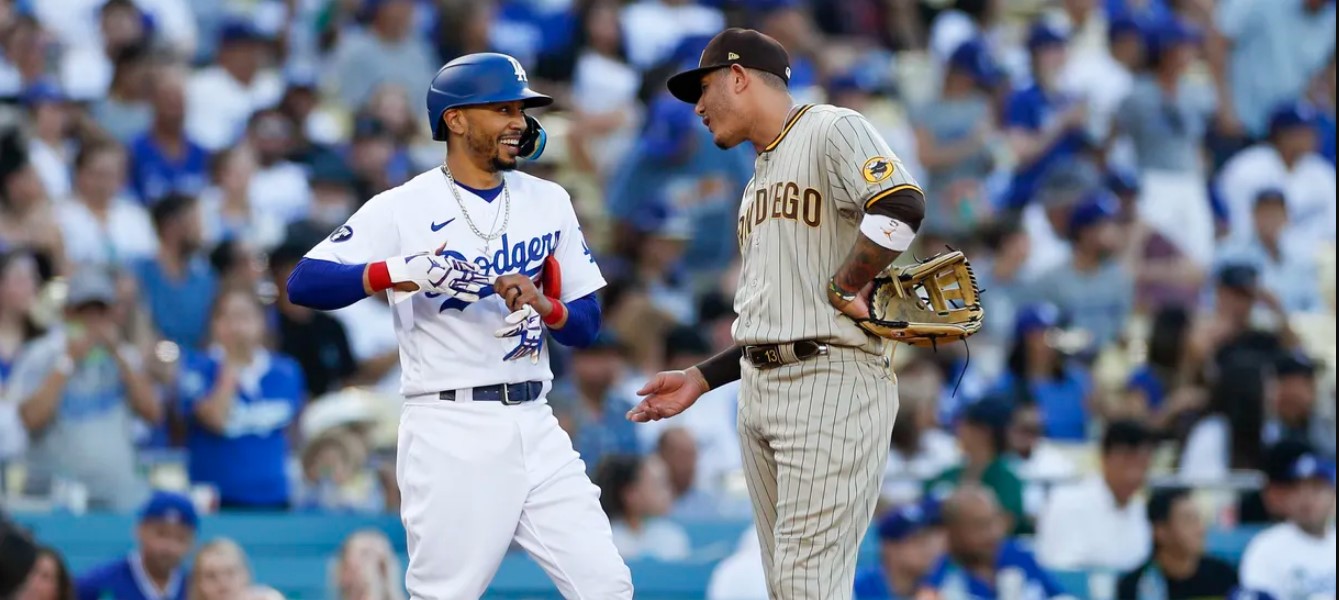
(800, 216)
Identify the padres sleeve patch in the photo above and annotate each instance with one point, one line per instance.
(877, 169)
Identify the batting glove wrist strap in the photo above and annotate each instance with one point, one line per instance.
(455, 277)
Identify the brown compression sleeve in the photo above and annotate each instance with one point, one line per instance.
(722, 368)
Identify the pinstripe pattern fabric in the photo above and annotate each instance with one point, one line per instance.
(815, 441)
(815, 434)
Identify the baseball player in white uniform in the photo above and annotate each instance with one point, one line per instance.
(481, 459)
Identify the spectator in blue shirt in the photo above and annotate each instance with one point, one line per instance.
(911, 540)
(1044, 125)
(178, 285)
(242, 400)
(600, 414)
(1036, 371)
(163, 160)
(982, 563)
(153, 571)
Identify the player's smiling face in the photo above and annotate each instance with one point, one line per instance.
(717, 107)
(492, 133)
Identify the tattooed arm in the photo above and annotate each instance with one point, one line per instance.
(846, 289)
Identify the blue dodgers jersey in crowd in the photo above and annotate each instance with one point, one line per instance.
(154, 175)
(1033, 110)
(247, 462)
(125, 579)
(1017, 575)
(872, 584)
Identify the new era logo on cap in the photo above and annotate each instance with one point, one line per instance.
(735, 46)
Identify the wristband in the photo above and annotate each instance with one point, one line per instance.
(379, 276)
(558, 314)
(836, 290)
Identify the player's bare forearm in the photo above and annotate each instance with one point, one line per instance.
(865, 261)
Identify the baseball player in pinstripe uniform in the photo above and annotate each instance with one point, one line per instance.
(829, 207)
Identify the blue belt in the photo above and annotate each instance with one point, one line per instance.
(511, 393)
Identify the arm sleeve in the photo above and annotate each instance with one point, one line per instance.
(722, 368)
(860, 164)
(583, 323)
(326, 285)
(581, 275)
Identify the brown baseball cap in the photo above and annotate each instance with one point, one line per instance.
(735, 46)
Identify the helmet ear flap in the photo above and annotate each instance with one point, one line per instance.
(533, 140)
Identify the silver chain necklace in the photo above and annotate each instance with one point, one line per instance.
(506, 200)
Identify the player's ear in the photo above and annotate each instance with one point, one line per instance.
(738, 78)
(455, 121)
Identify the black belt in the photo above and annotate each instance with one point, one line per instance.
(511, 393)
(772, 356)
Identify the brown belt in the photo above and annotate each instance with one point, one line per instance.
(771, 356)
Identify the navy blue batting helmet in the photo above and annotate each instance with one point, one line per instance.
(482, 78)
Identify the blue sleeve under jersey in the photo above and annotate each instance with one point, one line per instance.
(583, 323)
(325, 285)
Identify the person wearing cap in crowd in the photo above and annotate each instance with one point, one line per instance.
(1295, 405)
(1039, 370)
(1093, 288)
(220, 98)
(1105, 77)
(1269, 504)
(953, 132)
(79, 388)
(1295, 560)
(911, 540)
(1285, 160)
(49, 114)
(982, 560)
(388, 50)
(164, 159)
(1231, 333)
(1100, 523)
(1286, 266)
(1179, 568)
(983, 435)
(1043, 125)
(155, 569)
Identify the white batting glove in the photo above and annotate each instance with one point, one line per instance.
(457, 278)
(526, 324)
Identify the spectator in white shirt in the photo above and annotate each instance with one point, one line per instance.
(13, 435)
(919, 449)
(604, 93)
(636, 495)
(1287, 160)
(1296, 560)
(86, 69)
(279, 188)
(1285, 265)
(100, 226)
(49, 148)
(221, 98)
(1100, 524)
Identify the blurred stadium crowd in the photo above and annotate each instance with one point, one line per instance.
(1146, 189)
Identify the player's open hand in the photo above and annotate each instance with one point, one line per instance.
(667, 394)
(519, 290)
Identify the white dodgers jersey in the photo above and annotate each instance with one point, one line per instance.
(450, 343)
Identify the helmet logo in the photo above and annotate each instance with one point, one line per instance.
(520, 71)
